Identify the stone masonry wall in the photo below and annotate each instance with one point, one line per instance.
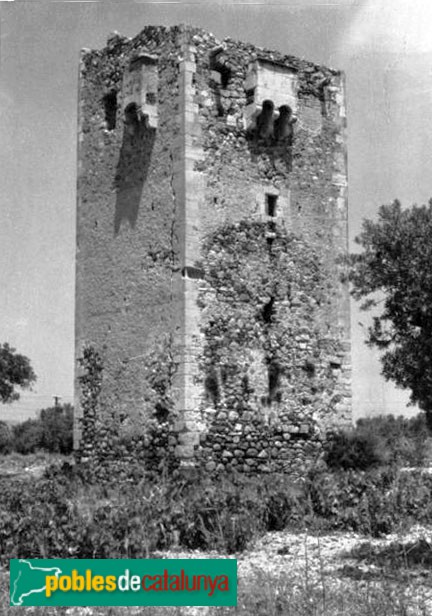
(128, 273)
(271, 385)
(217, 224)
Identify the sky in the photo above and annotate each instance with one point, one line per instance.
(385, 49)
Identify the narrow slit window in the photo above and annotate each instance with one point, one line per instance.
(110, 107)
(271, 205)
(250, 96)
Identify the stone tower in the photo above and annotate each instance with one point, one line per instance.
(212, 218)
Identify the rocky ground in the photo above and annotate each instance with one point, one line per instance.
(344, 565)
(294, 573)
(300, 574)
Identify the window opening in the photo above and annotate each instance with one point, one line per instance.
(271, 205)
(274, 394)
(250, 96)
(110, 106)
(219, 62)
(267, 311)
(194, 273)
(284, 123)
(264, 121)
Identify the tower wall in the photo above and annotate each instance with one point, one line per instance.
(238, 162)
(128, 297)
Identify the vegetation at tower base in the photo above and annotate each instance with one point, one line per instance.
(65, 515)
(394, 274)
(111, 445)
(268, 378)
(15, 371)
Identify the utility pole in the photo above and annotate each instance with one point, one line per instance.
(56, 401)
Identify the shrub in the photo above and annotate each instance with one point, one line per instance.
(27, 436)
(57, 429)
(354, 450)
(376, 502)
(406, 440)
(52, 431)
(60, 515)
(380, 440)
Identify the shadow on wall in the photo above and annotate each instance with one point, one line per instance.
(132, 167)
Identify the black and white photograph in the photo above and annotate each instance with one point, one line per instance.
(216, 308)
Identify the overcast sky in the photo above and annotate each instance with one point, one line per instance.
(385, 48)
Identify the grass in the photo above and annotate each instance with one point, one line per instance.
(374, 578)
(17, 464)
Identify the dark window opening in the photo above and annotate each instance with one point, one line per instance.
(194, 273)
(271, 204)
(267, 311)
(270, 239)
(299, 436)
(161, 413)
(151, 98)
(225, 76)
(273, 383)
(250, 96)
(211, 387)
(283, 127)
(264, 121)
(110, 106)
(219, 62)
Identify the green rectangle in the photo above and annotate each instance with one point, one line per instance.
(123, 582)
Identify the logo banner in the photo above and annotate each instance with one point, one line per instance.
(123, 582)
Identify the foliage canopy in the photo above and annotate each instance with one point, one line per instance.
(15, 371)
(393, 275)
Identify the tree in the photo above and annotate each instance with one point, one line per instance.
(15, 371)
(394, 275)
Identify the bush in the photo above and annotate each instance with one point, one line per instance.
(62, 516)
(57, 429)
(406, 440)
(52, 431)
(376, 502)
(378, 441)
(27, 436)
(355, 450)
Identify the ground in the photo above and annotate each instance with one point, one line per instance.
(338, 574)
(291, 573)
(17, 466)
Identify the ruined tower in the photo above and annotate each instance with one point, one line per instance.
(212, 218)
